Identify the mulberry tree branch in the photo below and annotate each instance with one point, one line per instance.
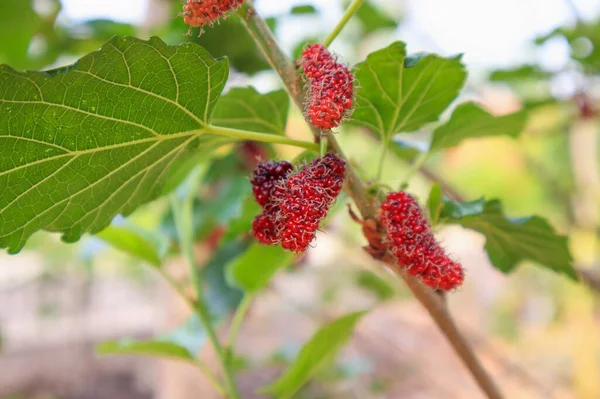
(433, 303)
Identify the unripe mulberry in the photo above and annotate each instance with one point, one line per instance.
(305, 200)
(265, 177)
(330, 90)
(411, 241)
(197, 13)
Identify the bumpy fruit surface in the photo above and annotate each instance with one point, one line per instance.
(265, 177)
(331, 87)
(305, 199)
(197, 13)
(411, 241)
(264, 228)
(265, 182)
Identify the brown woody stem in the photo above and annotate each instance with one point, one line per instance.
(260, 32)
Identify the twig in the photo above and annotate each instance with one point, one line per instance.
(267, 43)
(350, 11)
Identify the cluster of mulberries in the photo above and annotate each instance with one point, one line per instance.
(331, 87)
(197, 13)
(294, 205)
(411, 241)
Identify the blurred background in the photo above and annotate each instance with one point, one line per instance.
(537, 332)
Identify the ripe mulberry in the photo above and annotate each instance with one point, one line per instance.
(197, 13)
(331, 87)
(411, 241)
(264, 186)
(265, 177)
(305, 200)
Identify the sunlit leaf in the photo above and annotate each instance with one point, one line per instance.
(469, 120)
(161, 349)
(400, 94)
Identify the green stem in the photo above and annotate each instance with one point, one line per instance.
(263, 137)
(323, 145)
(350, 11)
(382, 154)
(182, 211)
(238, 319)
(214, 381)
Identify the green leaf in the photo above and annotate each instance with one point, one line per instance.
(81, 144)
(190, 335)
(255, 268)
(375, 284)
(136, 242)
(520, 73)
(245, 108)
(222, 296)
(229, 38)
(316, 353)
(145, 348)
(400, 94)
(18, 24)
(435, 203)
(303, 10)
(469, 120)
(408, 150)
(373, 18)
(512, 240)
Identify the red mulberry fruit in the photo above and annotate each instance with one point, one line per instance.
(197, 13)
(264, 186)
(265, 177)
(264, 230)
(331, 87)
(412, 242)
(305, 200)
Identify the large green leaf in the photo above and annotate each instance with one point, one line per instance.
(316, 353)
(245, 108)
(400, 94)
(469, 120)
(81, 144)
(253, 269)
(512, 240)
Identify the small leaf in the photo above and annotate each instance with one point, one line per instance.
(136, 242)
(145, 348)
(523, 72)
(255, 268)
(469, 120)
(512, 240)
(81, 144)
(373, 19)
(322, 348)
(400, 94)
(303, 10)
(435, 203)
(247, 109)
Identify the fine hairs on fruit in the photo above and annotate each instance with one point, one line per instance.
(412, 242)
(330, 91)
